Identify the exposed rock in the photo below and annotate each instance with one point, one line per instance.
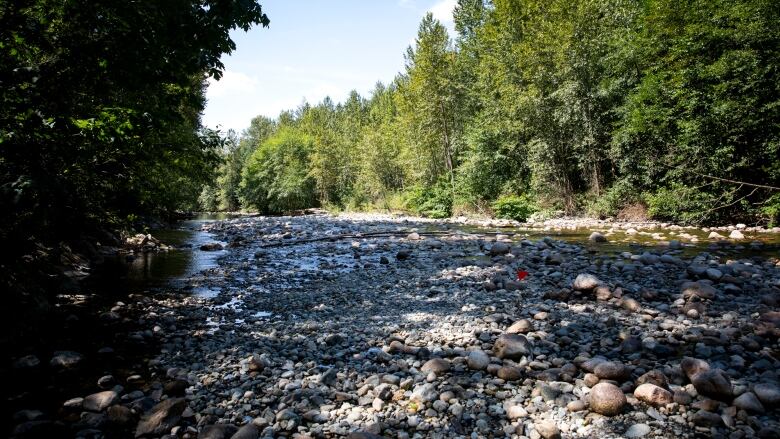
(654, 377)
(436, 365)
(218, 431)
(698, 289)
(520, 327)
(248, 431)
(66, 360)
(585, 282)
(597, 237)
(211, 247)
(478, 360)
(713, 383)
(638, 430)
(499, 248)
(653, 395)
(547, 429)
(736, 234)
(510, 373)
(768, 394)
(512, 346)
(611, 370)
(363, 435)
(161, 418)
(607, 399)
(707, 419)
(749, 402)
(97, 402)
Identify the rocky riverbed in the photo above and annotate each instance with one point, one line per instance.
(367, 325)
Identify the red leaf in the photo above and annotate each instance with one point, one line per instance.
(521, 274)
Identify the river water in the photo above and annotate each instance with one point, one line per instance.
(184, 264)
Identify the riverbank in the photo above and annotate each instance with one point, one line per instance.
(322, 326)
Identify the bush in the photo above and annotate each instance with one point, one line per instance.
(620, 195)
(433, 202)
(276, 177)
(515, 207)
(679, 203)
(771, 210)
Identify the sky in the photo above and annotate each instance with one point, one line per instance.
(313, 49)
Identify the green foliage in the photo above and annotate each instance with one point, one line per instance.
(516, 207)
(678, 203)
(609, 204)
(276, 177)
(208, 200)
(771, 210)
(431, 201)
(587, 104)
(100, 114)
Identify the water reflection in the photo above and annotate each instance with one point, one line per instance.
(146, 270)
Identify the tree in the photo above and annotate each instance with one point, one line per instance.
(276, 177)
(101, 108)
(427, 100)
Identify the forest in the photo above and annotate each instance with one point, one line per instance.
(164, 279)
(635, 109)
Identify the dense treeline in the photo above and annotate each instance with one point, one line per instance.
(100, 105)
(605, 107)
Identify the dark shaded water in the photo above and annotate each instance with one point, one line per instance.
(147, 270)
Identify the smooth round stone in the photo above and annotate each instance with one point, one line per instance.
(478, 360)
(652, 394)
(611, 370)
(520, 327)
(436, 365)
(607, 399)
(638, 430)
(767, 393)
(548, 430)
(512, 346)
(749, 402)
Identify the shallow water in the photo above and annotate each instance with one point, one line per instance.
(756, 244)
(145, 270)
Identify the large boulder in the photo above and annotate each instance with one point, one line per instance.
(512, 346)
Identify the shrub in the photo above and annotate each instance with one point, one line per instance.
(678, 203)
(771, 210)
(433, 201)
(617, 197)
(515, 207)
(276, 177)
